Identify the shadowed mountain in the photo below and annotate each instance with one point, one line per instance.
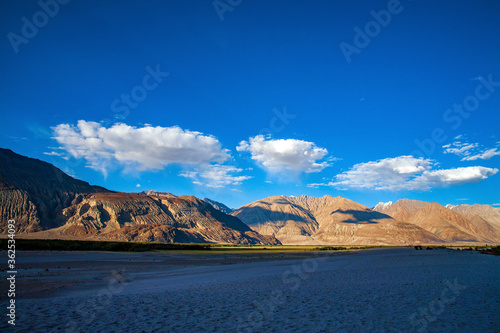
(34, 192)
(327, 220)
(219, 205)
(42, 198)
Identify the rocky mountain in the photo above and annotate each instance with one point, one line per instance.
(219, 205)
(158, 194)
(477, 212)
(451, 224)
(134, 217)
(42, 198)
(402, 210)
(328, 220)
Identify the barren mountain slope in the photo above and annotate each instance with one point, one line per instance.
(134, 217)
(482, 216)
(402, 209)
(452, 225)
(327, 220)
(280, 217)
(486, 212)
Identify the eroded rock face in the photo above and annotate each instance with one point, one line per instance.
(133, 217)
(41, 197)
(16, 205)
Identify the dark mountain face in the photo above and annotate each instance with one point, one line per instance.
(219, 205)
(34, 192)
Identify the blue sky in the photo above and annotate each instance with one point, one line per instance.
(240, 100)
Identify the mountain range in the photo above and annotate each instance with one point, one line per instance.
(47, 203)
(44, 200)
(328, 220)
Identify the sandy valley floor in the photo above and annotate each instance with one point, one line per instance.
(378, 290)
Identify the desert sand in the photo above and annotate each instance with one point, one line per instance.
(376, 290)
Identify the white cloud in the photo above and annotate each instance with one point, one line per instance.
(138, 185)
(215, 175)
(448, 177)
(484, 155)
(141, 148)
(470, 151)
(285, 154)
(54, 153)
(389, 173)
(406, 173)
(460, 148)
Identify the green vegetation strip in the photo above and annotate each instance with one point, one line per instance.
(73, 245)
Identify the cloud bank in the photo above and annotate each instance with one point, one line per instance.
(406, 173)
